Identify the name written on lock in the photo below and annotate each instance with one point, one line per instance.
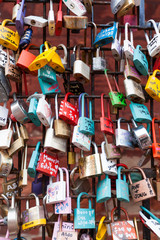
(8, 38)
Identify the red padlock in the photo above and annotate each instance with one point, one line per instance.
(68, 112)
(47, 164)
(113, 178)
(155, 145)
(25, 59)
(58, 28)
(156, 64)
(106, 123)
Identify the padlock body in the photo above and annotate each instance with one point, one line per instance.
(156, 150)
(116, 5)
(62, 129)
(142, 137)
(49, 88)
(128, 49)
(124, 138)
(56, 192)
(131, 73)
(134, 91)
(33, 164)
(140, 62)
(10, 187)
(16, 146)
(106, 125)
(116, 50)
(23, 178)
(71, 157)
(47, 74)
(99, 64)
(58, 28)
(32, 112)
(81, 71)
(3, 115)
(108, 166)
(5, 164)
(122, 190)
(11, 42)
(88, 216)
(44, 112)
(86, 126)
(24, 133)
(117, 99)
(15, 11)
(154, 45)
(103, 190)
(81, 140)
(153, 88)
(112, 152)
(69, 113)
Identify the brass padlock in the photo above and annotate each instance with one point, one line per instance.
(9, 187)
(156, 183)
(24, 133)
(23, 172)
(4, 207)
(17, 145)
(71, 156)
(6, 163)
(126, 7)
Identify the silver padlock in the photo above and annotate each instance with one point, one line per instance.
(23, 173)
(64, 59)
(99, 63)
(128, 44)
(153, 45)
(142, 136)
(116, 47)
(3, 114)
(116, 5)
(124, 138)
(81, 71)
(134, 91)
(13, 217)
(36, 21)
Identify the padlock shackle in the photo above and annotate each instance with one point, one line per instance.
(37, 146)
(126, 32)
(90, 106)
(24, 158)
(79, 198)
(154, 25)
(79, 104)
(65, 51)
(66, 96)
(27, 48)
(51, 5)
(36, 95)
(151, 214)
(140, 170)
(108, 82)
(13, 200)
(6, 199)
(60, 5)
(98, 52)
(102, 107)
(95, 29)
(52, 121)
(153, 129)
(45, 208)
(155, 72)
(78, 51)
(122, 209)
(72, 174)
(101, 222)
(10, 123)
(95, 147)
(134, 123)
(119, 123)
(6, 21)
(17, 129)
(102, 147)
(56, 106)
(36, 198)
(119, 174)
(67, 179)
(61, 175)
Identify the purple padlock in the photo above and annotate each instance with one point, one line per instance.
(20, 19)
(37, 184)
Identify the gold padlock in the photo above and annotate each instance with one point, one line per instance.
(156, 183)
(24, 133)
(71, 156)
(126, 7)
(23, 172)
(9, 38)
(6, 163)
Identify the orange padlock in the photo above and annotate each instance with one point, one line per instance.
(25, 59)
(155, 145)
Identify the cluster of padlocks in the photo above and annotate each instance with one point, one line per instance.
(74, 126)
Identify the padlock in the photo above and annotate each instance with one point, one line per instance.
(142, 136)
(116, 5)
(51, 20)
(66, 206)
(153, 86)
(5, 164)
(130, 72)
(71, 156)
(102, 229)
(5, 86)
(4, 207)
(19, 109)
(64, 59)
(56, 192)
(124, 138)
(32, 111)
(108, 165)
(3, 114)
(15, 10)
(10, 187)
(128, 5)
(17, 144)
(88, 215)
(153, 45)
(142, 189)
(49, 88)
(134, 91)
(36, 21)
(58, 27)
(140, 61)
(85, 235)
(68, 112)
(116, 47)
(86, 124)
(99, 63)
(106, 122)
(26, 38)
(24, 133)
(140, 113)
(12, 72)
(23, 171)
(74, 87)
(53, 143)
(33, 161)
(47, 164)
(3, 58)
(61, 234)
(88, 5)
(37, 185)
(122, 187)
(11, 42)
(111, 150)
(79, 185)
(155, 145)
(117, 98)
(62, 129)
(36, 216)
(75, 23)
(105, 36)
(156, 183)
(75, 6)
(103, 189)
(13, 218)
(19, 22)
(81, 71)
(90, 166)
(128, 46)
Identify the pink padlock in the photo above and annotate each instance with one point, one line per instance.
(131, 19)
(64, 207)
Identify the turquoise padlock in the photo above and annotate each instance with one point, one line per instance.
(106, 36)
(122, 188)
(49, 88)
(33, 161)
(140, 113)
(32, 111)
(86, 124)
(140, 61)
(84, 218)
(103, 189)
(47, 73)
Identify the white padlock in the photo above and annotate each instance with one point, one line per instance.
(99, 63)
(6, 136)
(116, 5)
(75, 6)
(36, 21)
(44, 111)
(116, 47)
(128, 44)
(3, 114)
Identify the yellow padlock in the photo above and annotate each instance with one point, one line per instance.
(9, 38)
(43, 58)
(102, 229)
(153, 86)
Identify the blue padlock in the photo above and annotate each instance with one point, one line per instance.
(122, 188)
(32, 111)
(106, 36)
(26, 38)
(140, 113)
(103, 189)
(140, 61)
(33, 161)
(84, 218)
(86, 124)
(37, 184)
